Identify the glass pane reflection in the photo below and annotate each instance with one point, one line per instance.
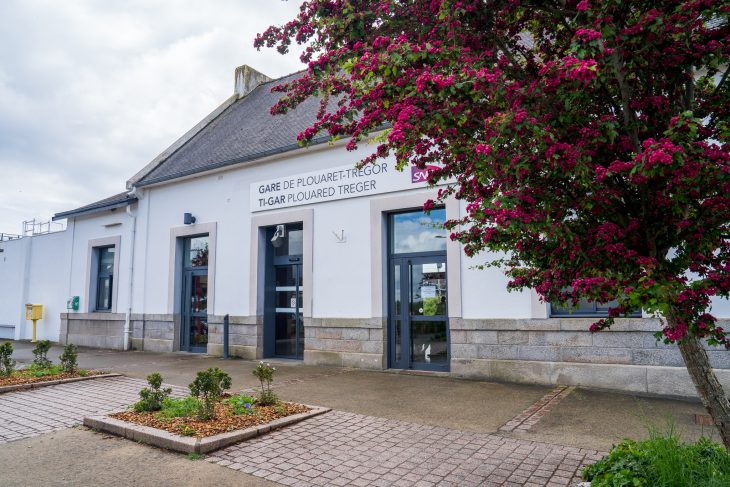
(428, 289)
(428, 342)
(418, 232)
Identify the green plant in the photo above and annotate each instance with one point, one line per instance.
(241, 404)
(41, 353)
(265, 374)
(208, 387)
(186, 430)
(267, 398)
(7, 364)
(152, 397)
(195, 456)
(280, 409)
(69, 358)
(173, 407)
(36, 370)
(662, 460)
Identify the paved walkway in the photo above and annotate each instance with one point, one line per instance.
(340, 448)
(335, 449)
(28, 413)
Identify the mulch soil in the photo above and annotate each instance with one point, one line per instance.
(21, 378)
(224, 421)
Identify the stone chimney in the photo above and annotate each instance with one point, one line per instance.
(247, 79)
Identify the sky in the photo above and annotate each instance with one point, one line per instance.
(93, 90)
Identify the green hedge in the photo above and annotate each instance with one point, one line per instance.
(662, 461)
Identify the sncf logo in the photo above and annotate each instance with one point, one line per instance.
(421, 175)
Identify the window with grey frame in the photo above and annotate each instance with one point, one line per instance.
(586, 308)
(104, 277)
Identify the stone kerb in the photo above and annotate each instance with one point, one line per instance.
(183, 444)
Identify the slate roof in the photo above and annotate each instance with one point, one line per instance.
(243, 132)
(116, 201)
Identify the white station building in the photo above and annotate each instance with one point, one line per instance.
(310, 259)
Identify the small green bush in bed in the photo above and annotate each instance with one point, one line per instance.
(40, 352)
(662, 460)
(152, 397)
(7, 364)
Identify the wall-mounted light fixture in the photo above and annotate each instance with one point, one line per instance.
(188, 219)
(279, 236)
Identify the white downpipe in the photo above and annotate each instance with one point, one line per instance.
(128, 317)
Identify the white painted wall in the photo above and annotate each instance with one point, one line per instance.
(12, 282)
(47, 282)
(341, 272)
(48, 269)
(92, 227)
(34, 270)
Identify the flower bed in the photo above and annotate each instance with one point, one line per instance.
(30, 376)
(206, 420)
(42, 371)
(225, 419)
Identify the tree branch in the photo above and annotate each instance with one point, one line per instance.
(628, 114)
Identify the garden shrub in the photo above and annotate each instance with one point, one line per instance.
(241, 404)
(152, 397)
(69, 358)
(208, 387)
(662, 460)
(7, 364)
(265, 374)
(41, 354)
(183, 407)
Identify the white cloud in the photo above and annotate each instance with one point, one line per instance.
(91, 91)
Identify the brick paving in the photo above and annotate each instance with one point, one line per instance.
(340, 448)
(532, 415)
(33, 412)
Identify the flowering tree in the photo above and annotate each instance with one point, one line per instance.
(589, 140)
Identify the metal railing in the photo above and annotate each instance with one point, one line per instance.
(4, 237)
(33, 227)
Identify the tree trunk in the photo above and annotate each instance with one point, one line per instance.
(708, 387)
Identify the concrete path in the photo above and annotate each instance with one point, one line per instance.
(76, 457)
(339, 448)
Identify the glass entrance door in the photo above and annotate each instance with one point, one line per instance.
(418, 335)
(288, 311)
(194, 310)
(419, 316)
(283, 316)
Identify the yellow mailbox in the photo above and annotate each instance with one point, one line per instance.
(34, 312)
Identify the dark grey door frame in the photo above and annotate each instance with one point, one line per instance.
(272, 263)
(187, 313)
(404, 317)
